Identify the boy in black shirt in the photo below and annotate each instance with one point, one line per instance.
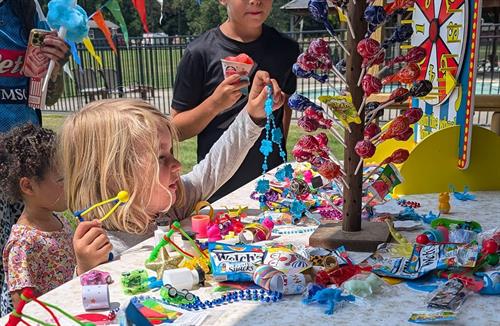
(205, 103)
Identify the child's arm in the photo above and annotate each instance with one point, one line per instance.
(191, 122)
(230, 150)
(91, 245)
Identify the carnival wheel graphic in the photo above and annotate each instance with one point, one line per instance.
(440, 27)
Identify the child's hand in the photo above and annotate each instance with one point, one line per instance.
(258, 94)
(228, 92)
(91, 245)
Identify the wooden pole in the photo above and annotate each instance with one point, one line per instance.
(353, 195)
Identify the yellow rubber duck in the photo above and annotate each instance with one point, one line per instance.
(444, 203)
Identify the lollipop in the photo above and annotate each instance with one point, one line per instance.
(308, 143)
(370, 85)
(371, 130)
(320, 51)
(414, 115)
(405, 135)
(376, 16)
(329, 170)
(365, 149)
(372, 107)
(322, 139)
(308, 124)
(414, 55)
(400, 35)
(300, 103)
(398, 126)
(399, 95)
(421, 88)
(319, 122)
(407, 75)
(301, 155)
(398, 156)
(319, 12)
(398, 6)
(367, 49)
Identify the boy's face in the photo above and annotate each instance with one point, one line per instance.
(248, 13)
(164, 194)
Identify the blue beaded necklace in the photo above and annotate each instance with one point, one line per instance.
(234, 296)
(273, 135)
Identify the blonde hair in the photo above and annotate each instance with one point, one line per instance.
(113, 145)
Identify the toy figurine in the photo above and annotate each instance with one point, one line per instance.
(363, 287)
(444, 203)
(329, 296)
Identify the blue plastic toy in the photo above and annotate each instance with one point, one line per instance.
(463, 196)
(330, 297)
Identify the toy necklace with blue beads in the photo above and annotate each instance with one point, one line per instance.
(273, 135)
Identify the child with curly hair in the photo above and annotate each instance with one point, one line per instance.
(39, 252)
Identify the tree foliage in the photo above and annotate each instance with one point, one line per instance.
(181, 17)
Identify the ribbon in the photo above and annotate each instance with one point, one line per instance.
(99, 20)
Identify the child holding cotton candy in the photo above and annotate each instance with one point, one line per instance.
(206, 101)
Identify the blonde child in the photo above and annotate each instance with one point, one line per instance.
(126, 144)
(39, 252)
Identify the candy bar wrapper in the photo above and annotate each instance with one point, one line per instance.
(449, 296)
(427, 258)
(286, 260)
(35, 66)
(342, 108)
(388, 179)
(95, 297)
(426, 317)
(232, 67)
(234, 262)
(323, 257)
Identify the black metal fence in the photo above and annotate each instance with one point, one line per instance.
(147, 67)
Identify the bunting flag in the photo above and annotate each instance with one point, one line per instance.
(74, 53)
(140, 6)
(99, 20)
(114, 8)
(90, 47)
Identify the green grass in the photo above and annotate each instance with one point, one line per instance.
(187, 148)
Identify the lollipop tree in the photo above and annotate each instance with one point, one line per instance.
(353, 234)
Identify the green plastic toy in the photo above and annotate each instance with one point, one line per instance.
(447, 222)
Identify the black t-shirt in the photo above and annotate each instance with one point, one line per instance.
(200, 72)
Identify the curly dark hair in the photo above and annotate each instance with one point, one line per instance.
(26, 151)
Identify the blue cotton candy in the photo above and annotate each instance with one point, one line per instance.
(62, 13)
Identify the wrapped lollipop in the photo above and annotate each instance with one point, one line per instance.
(398, 126)
(407, 75)
(372, 108)
(320, 49)
(301, 155)
(375, 16)
(414, 55)
(308, 124)
(371, 131)
(319, 12)
(370, 85)
(414, 115)
(405, 135)
(421, 88)
(300, 103)
(398, 95)
(398, 156)
(329, 170)
(312, 120)
(309, 143)
(400, 35)
(367, 49)
(365, 149)
(398, 6)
